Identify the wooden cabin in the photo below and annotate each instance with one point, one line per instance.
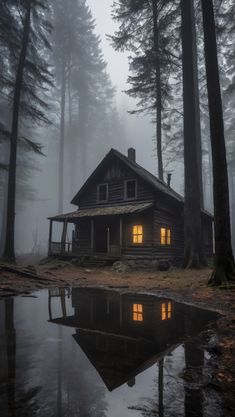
(125, 212)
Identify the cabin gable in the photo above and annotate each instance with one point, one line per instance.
(118, 179)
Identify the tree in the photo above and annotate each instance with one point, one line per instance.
(224, 268)
(193, 242)
(31, 74)
(147, 30)
(85, 91)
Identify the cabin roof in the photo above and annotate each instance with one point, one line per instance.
(137, 169)
(141, 172)
(103, 211)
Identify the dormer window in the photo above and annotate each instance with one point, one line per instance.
(130, 189)
(102, 192)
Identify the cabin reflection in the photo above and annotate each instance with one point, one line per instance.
(124, 334)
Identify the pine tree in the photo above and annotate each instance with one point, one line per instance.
(148, 30)
(86, 92)
(30, 76)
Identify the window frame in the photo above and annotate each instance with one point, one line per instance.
(125, 189)
(137, 234)
(137, 313)
(166, 310)
(167, 237)
(98, 192)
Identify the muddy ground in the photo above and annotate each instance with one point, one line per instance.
(187, 286)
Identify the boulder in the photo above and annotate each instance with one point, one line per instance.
(120, 267)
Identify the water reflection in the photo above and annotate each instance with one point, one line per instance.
(123, 334)
(84, 352)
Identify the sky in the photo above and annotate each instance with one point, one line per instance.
(117, 61)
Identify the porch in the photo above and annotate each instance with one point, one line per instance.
(97, 232)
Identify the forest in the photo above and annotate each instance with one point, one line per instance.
(117, 208)
(60, 112)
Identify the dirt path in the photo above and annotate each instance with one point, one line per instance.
(181, 285)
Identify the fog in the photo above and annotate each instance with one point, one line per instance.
(138, 132)
(116, 129)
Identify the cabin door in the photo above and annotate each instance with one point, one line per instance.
(101, 236)
(107, 236)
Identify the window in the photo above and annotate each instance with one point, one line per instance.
(137, 312)
(166, 311)
(103, 192)
(137, 234)
(165, 236)
(130, 189)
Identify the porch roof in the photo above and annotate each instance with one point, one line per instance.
(102, 211)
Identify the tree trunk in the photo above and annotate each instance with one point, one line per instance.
(160, 388)
(197, 108)
(82, 126)
(193, 242)
(11, 355)
(3, 214)
(158, 90)
(62, 137)
(9, 251)
(224, 269)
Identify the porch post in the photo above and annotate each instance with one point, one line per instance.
(63, 237)
(92, 235)
(50, 237)
(121, 234)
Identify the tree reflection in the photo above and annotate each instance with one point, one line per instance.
(15, 400)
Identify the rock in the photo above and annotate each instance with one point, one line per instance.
(164, 266)
(155, 264)
(120, 267)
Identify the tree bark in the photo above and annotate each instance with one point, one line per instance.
(224, 268)
(193, 243)
(158, 90)
(82, 126)
(197, 109)
(62, 138)
(9, 251)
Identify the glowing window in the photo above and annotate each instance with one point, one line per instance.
(166, 311)
(137, 312)
(137, 234)
(165, 236)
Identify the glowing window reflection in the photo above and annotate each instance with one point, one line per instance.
(166, 311)
(137, 312)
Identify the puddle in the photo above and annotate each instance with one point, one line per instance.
(96, 353)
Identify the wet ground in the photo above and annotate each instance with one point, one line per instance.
(92, 352)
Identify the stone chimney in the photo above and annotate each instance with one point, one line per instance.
(169, 180)
(131, 154)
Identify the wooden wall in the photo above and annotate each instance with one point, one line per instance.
(115, 175)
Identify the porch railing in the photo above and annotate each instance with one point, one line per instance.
(60, 248)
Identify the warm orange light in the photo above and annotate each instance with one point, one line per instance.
(169, 310)
(165, 236)
(137, 312)
(166, 310)
(137, 234)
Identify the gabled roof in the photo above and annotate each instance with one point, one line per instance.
(137, 169)
(151, 179)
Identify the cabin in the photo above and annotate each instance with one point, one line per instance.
(125, 212)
